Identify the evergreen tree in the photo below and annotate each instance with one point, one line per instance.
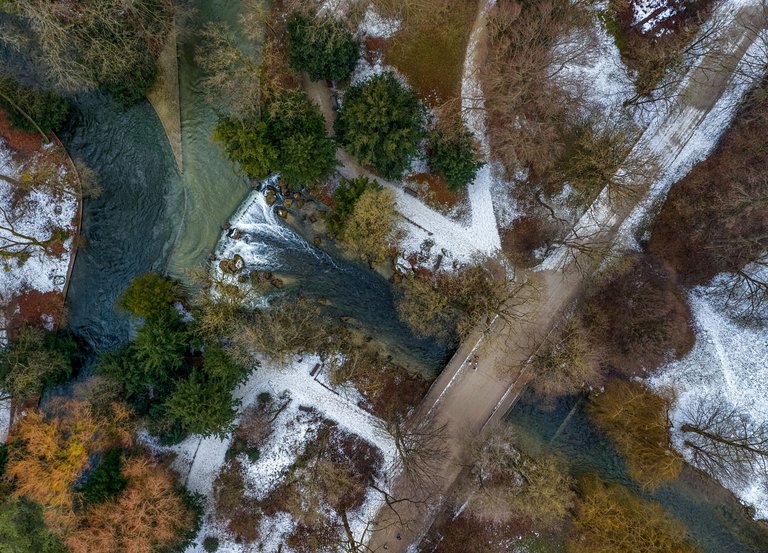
(29, 108)
(321, 46)
(290, 140)
(36, 359)
(149, 294)
(452, 155)
(23, 530)
(380, 124)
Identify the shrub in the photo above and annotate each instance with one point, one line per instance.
(211, 544)
(149, 294)
(323, 47)
(23, 529)
(609, 517)
(47, 109)
(452, 155)
(264, 398)
(380, 124)
(344, 199)
(637, 422)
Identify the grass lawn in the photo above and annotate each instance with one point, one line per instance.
(430, 47)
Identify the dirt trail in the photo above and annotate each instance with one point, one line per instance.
(489, 371)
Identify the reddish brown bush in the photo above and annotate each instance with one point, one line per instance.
(147, 516)
(716, 218)
(639, 316)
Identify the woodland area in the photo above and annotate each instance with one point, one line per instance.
(342, 118)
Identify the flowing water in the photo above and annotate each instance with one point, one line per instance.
(151, 218)
(715, 519)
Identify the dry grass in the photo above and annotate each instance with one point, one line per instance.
(431, 45)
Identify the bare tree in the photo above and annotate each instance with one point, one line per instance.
(421, 448)
(724, 440)
(232, 76)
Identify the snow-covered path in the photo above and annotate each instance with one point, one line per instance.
(680, 137)
(455, 240)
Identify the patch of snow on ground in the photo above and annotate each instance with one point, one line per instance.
(596, 70)
(36, 216)
(728, 364)
(199, 460)
(674, 141)
(376, 26)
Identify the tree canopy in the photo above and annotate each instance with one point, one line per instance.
(380, 124)
(452, 155)
(636, 421)
(289, 138)
(371, 230)
(321, 46)
(149, 294)
(609, 517)
(112, 44)
(30, 108)
(36, 359)
(23, 529)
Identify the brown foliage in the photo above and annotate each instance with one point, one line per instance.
(639, 316)
(716, 218)
(388, 388)
(652, 54)
(468, 533)
(637, 422)
(611, 519)
(148, 515)
(567, 361)
(241, 514)
(514, 485)
(49, 453)
(33, 308)
(527, 111)
(526, 234)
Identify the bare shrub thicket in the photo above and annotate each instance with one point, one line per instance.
(637, 421)
(527, 111)
(104, 42)
(705, 229)
(639, 315)
(508, 483)
(451, 305)
(326, 484)
(657, 57)
(566, 362)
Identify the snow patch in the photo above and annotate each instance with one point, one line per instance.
(728, 365)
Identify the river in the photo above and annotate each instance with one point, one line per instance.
(715, 519)
(149, 217)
